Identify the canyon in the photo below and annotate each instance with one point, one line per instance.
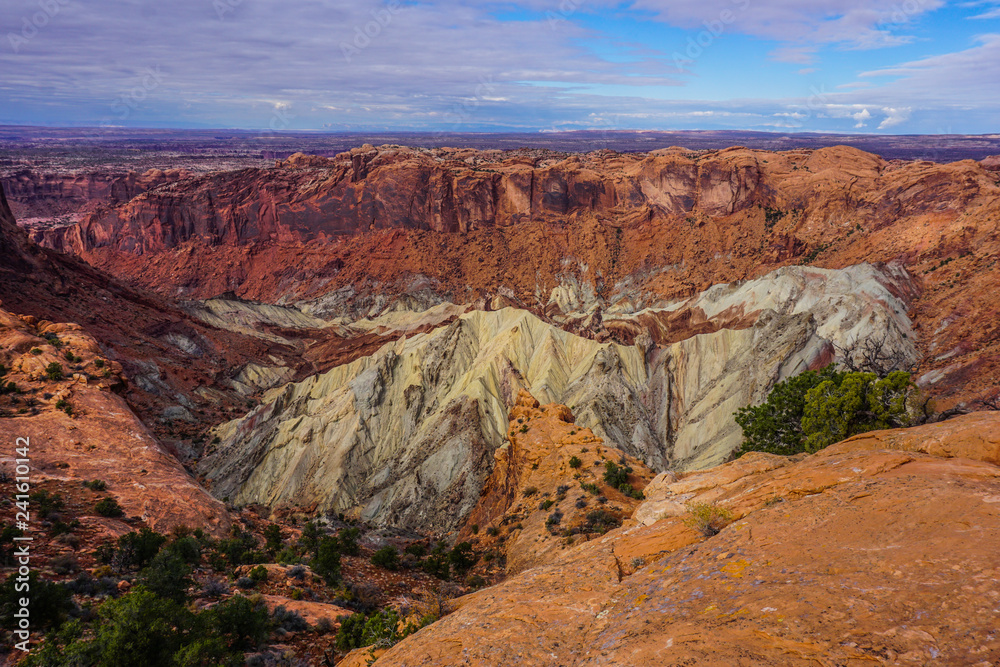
(470, 345)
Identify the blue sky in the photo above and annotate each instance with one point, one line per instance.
(878, 66)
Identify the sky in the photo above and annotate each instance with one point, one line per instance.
(852, 66)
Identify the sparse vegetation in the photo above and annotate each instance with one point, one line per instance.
(812, 410)
(707, 518)
(575, 462)
(387, 558)
(109, 507)
(54, 371)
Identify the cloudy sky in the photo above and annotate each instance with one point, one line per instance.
(890, 66)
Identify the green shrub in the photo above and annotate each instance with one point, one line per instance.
(327, 561)
(259, 574)
(188, 549)
(96, 485)
(462, 557)
(99, 363)
(272, 538)
(815, 409)
(600, 521)
(380, 629)
(109, 507)
(416, 549)
(243, 623)
(590, 487)
(575, 462)
(348, 540)
(168, 576)
(138, 548)
(46, 503)
(310, 536)
(141, 628)
(387, 557)
(437, 565)
(54, 371)
(530, 491)
(861, 402)
(240, 549)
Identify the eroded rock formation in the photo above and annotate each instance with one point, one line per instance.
(408, 434)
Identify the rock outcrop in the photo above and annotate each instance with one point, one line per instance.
(859, 554)
(408, 434)
(77, 429)
(547, 489)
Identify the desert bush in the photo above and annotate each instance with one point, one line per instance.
(272, 538)
(462, 557)
(215, 588)
(54, 371)
(387, 557)
(381, 629)
(288, 620)
(46, 503)
(348, 539)
(575, 462)
(327, 561)
(96, 485)
(600, 521)
(168, 576)
(708, 519)
(109, 507)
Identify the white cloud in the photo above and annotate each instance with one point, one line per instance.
(894, 117)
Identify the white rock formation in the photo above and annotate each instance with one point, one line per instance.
(407, 435)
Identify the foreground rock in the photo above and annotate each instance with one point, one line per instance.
(855, 555)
